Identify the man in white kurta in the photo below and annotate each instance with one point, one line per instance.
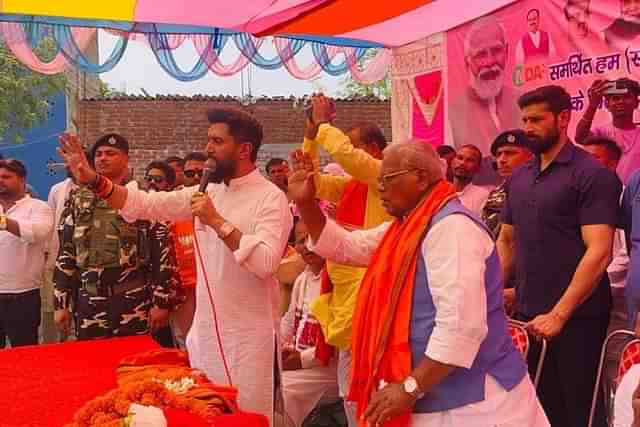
(455, 252)
(243, 288)
(242, 225)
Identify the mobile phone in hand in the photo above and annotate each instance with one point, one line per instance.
(615, 88)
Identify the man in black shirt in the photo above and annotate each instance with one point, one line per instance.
(557, 234)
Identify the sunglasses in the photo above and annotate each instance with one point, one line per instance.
(154, 178)
(192, 173)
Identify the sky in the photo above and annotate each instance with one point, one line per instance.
(138, 70)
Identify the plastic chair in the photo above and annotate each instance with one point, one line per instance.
(522, 341)
(629, 356)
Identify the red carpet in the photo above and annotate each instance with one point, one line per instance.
(43, 386)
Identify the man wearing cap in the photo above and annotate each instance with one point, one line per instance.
(109, 262)
(510, 149)
(622, 129)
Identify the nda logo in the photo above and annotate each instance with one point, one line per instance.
(523, 74)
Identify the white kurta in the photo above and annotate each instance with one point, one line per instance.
(622, 407)
(454, 251)
(244, 290)
(57, 197)
(303, 389)
(473, 197)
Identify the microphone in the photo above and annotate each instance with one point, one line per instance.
(208, 170)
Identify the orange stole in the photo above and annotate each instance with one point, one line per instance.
(380, 346)
(350, 213)
(182, 235)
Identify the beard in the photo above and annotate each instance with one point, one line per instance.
(8, 193)
(284, 184)
(225, 169)
(490, 88)
(540, 145)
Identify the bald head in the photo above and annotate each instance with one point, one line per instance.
(416, 154)
(408, 171)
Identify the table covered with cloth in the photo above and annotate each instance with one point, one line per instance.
(45, 385)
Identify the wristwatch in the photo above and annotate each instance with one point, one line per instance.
(410, 386)
(3, 222)
(225, 230)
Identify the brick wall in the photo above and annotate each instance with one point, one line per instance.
(163, 126)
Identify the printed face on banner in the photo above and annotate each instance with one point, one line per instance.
(533, 18)
(486, 57)
(494, 59)
(577, 16)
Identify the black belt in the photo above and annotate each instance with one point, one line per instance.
(11, 297)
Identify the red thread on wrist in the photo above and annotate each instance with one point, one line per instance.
(103, 187)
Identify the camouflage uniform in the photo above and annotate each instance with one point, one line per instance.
(113, 271)
(492, 208)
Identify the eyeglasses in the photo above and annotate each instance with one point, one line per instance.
(385, 180)
(155, 178)
(192, 173)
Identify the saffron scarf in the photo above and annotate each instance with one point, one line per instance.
(380, 346)
(350, 213)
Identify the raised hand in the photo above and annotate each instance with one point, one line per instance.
(73, 155)
(323, 110)
(310, 129)
(302, 188)
(596, 92)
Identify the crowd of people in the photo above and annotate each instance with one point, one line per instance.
(381, 284)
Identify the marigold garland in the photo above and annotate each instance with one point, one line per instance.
(141, 380)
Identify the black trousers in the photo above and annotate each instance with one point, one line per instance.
(569, 372)
(20, 318)
(164, 337)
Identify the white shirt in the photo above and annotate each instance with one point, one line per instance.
(243, 287)
(535, 38)
(22, 258)
(473, 197)
(619, 266)
(629, 143)
(58, 195)
(622, 409)
(454, 250)
(306, 288)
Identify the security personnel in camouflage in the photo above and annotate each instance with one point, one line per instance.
(123, 274)
(492, 208)
(510, 149)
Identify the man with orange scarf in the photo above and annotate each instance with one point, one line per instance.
(430, 341)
